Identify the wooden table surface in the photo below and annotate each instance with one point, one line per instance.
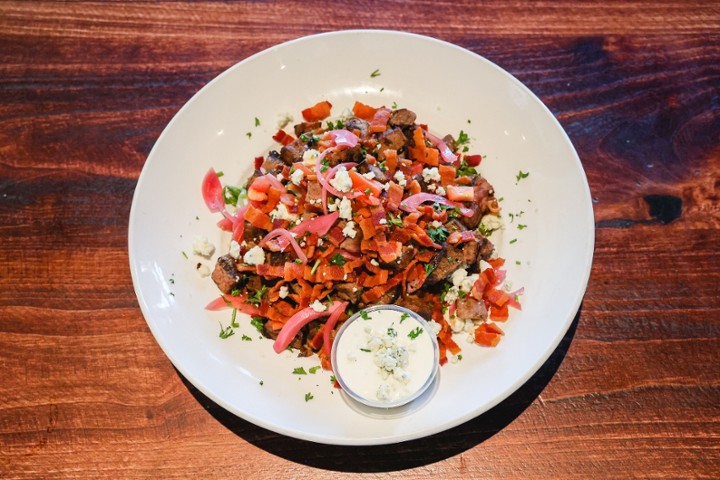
(85, 390)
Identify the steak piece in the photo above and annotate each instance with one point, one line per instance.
(293, 152)
(417, 305)
(452, 257)
(348, 291)
(305, 127)
(481, 195)
(402, 118)
(355, 123)
(394, 139)
(225, 275)
(470, 309)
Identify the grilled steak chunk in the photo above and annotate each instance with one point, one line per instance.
(402, 118)
(470, 309)
(394, 139)
(225, 275)
(293, 152)
(306, 127)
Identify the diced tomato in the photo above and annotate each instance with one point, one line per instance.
(363, 111)
(319, 111)
(282, 137)
(473, 160)
(488, 334)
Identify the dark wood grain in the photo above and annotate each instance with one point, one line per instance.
(86, 392)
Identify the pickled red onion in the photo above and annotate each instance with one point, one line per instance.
(287, 235)
(411, 203)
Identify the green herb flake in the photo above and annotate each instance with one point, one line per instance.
(364, 315)
(462, 139)
(257, 122)
(308, 396)
(365, 350)
(517, 262)
(415, 333)
(332, 378)
(391, 332)
(404, 316)
(394, 105)
(459, 357)
(439, 234)
(246, 338)
(248, 134)
(226, 332)
(394, 221)
(299, 371)
(521, 175)
(315, 267)
(233, 318)
(184, 255)
(314, 369)
(258, 323)
(256, 298)
(375, 73)
(262, 383)
(513, 240)
(337, 259)
(521, 226)
(465, 170)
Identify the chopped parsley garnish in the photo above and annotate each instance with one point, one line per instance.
(315, 267)
(404, 316)
(308, 396)
(226, 332)
(262, 383)
(364, 315)
(521, 175)
(391, 332)
(256, 298)
(513, 240)
(365, 350)
(249, 134)
(394, 105)
(429, 267)
(257, 122)
(258, 323)
(325, 164)
(246, 338)
(517, 262)
(337, 259)
(465, 170)
(230, 194)
(233, 318)
(439, 234)
(184, 255)
(332, 378)
(335, 126)
(394, 221)
(235, 292)
(459, 356)
(521, 226)
(314, 369)
(415, 333)
(299, 371)
(463, 139)
(375, 73)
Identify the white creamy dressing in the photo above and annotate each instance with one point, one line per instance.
(385, 357)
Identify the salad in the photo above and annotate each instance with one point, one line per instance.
(369, 208)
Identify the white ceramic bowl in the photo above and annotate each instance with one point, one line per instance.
(451, 89)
